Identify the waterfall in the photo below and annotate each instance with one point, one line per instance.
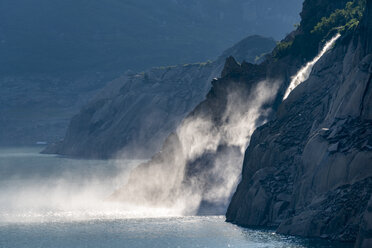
(201, 161)
(304, 73)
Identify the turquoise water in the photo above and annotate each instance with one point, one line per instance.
(162, 232)
(51, 201)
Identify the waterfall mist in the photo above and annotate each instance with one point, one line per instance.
(45, 188)
(198, 167)
(304, 73)
(201, 162)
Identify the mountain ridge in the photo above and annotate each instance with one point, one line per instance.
(133, 115)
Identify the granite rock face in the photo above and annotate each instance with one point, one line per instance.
(135, 113)
(308, 172)
(365, 234)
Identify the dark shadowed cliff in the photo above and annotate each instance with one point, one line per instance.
(308, 172)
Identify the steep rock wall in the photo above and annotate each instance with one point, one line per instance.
(308, 172)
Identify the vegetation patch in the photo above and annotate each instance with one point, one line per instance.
(282, 49)
(341, 20)
(306, 44)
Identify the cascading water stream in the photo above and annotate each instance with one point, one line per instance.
(304, 73)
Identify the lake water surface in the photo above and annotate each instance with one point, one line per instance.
(52, 201)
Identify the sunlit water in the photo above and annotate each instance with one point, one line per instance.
(51, 201)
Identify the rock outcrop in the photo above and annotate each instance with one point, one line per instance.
(365, 233)
(308, 172)
(135, 113)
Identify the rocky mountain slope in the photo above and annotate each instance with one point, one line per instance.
(308, 172)
(134, 113)
(56, 54)
(38, 108)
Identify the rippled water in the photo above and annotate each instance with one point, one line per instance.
(51, 201)
(162, 232)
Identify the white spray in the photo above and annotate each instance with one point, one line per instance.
(162, 184)
(304, 73)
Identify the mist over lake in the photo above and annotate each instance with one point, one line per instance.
(52, 201)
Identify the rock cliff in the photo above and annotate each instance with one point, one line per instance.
(308, 172)
(135, 113)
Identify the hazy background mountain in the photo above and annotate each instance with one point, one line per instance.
(55, 55)
(132, 115)
(74, 35)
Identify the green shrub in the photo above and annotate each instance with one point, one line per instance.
(306, 44)
(341, 20)
(282, 49)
